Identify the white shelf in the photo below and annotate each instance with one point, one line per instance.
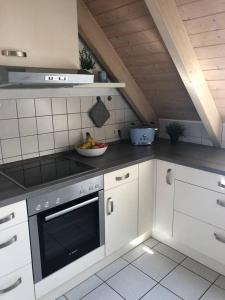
(102, 85)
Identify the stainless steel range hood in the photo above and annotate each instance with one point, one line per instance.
(18, 77)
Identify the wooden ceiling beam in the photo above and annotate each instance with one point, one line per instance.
(175, 37)
(101, 47)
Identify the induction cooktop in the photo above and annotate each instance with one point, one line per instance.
(43, 170)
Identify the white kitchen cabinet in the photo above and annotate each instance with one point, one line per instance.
(18, 285)
(121, 216)
(163, 223)
(46, 30)
(146, 196)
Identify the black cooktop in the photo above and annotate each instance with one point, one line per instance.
(42, 170)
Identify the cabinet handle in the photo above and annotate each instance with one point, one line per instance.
(9, 242)
(219, 238)
(220, 184)
(11, 287)
(8, 218)
(119, 178)
(168, 176)
(14, 53)
(220, 202)
(110, 206)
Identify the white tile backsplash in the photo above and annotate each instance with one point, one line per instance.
(31, 127)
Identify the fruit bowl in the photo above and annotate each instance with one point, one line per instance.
(91, 152)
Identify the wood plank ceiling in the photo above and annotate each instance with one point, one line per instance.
(131, 30)
(205, 23)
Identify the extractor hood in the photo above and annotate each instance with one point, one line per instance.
(19, 77)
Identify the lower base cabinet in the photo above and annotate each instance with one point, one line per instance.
(121, 216)
(18, 285)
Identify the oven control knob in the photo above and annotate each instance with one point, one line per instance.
(38, 207)
(46, 205)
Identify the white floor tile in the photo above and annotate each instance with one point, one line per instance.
(200, 269)
(112, 269)
(186, 284)
(61, 298)
(131, 283)
(83, 288)
(160, 293)
(151, 242)
(103, 292)
(134, 253)
(155, 265)
(170, 252)
(214, 293)
(221, 282)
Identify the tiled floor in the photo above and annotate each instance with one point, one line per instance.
(151, 271)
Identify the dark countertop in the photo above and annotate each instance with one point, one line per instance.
(122, 154)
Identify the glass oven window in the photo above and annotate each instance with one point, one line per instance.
(68, 232)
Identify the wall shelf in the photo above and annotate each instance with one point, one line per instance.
(102, 85)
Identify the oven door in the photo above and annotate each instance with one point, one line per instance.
(66, 233)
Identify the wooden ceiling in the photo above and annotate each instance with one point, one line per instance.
(205, 23)
(131, 30)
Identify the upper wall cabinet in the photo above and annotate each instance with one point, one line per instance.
(45, 30)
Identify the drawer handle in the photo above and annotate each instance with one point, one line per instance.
(220, 184)
(9, 242)
(219, 238)
(110, 206)
(14, 53)
(8, 218)
(119, 178)
(220, 202)
(168, 176)
(11, 287)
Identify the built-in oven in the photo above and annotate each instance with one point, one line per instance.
(65, 225)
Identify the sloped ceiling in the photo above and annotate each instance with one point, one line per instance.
(131, 30)
(205, 23)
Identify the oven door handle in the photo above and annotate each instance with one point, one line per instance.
(69, 209)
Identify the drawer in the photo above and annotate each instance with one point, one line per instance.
(200, 178)
(17, 285)
(121, 176)
(200, 203)
(199, 236)
(13, 214)
(14, 248)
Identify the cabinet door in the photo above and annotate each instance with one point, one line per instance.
(45, 29)
(164, 199)
(121, 210)
(146, 196)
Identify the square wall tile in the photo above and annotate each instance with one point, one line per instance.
(30, 155)
(112, 118)
(12, 159)
(119, 102)
(75, 137)
(46, 141)
(25, 108)
(73, 105)
(86, 120)
(119, 116)
(195, 129)
(86, 103)
(9, 129)
(60, 122)
(11, 147)
(130, 115)
(8, 109)
(43, 107)
(61, 139)
(74, 121)
(99, 133)
(59, 106)
(110, 102)
(44, 124)
(29, 144)
(27, 126)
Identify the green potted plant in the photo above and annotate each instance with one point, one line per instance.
(175, 130)
(87, 62)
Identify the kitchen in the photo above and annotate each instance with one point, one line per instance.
(112, 173)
